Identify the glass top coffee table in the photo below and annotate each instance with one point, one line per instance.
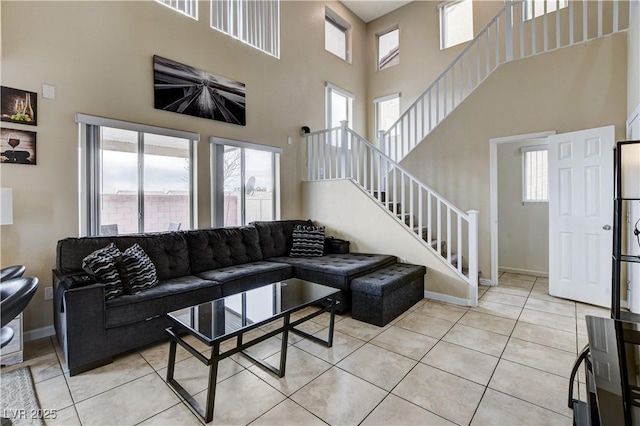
(228, 320)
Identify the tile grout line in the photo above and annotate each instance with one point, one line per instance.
(499, 359)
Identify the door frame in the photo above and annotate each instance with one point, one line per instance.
(633, 302)
(493, 193)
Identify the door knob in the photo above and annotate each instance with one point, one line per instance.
(606, 227)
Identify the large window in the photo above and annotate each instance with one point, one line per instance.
(535, 187)
(186, 7)
(387, 111)
(337, 35)
(245, 182)
(534, 8)
(388, 48)
(135, 178)
(456, 23)
(339, 106)
(254, 22)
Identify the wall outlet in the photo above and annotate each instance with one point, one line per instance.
(48, 293)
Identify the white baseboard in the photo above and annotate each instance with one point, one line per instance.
(38, 333)
(446, 298)
(523, 271)
(486, 281)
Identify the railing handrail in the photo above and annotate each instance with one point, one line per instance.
(454, 61)
(408, 174)
(494, 45)
(319, 132)
(440, 226)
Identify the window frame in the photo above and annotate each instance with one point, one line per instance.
(524, 151)
(90, 163)
(377, 102)
(441, 12)
(342, 25)
(217, 176)
(351, 98)
(378, 36)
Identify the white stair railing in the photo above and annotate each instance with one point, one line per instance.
(340, 153)
(521, 29)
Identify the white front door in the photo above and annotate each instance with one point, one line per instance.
(581, 215)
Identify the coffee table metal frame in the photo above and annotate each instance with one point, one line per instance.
(216, 356)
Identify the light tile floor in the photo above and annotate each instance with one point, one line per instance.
(506, 362)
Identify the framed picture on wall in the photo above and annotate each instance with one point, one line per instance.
(187, 90)
(17, 146)
(18, 106)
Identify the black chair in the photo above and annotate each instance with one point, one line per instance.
(11, 272)
(15, 295)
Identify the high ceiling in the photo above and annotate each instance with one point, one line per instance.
(368, 10)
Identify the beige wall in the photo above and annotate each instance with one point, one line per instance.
(523, 228)
(332, 203)
(570, 89)
(633, 57)
(98, 55)
(421, 59)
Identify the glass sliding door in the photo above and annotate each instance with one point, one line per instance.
(166, 183)
(258, 189)
(119, 204)
(134, 180)
(244, 182)
(232, 185)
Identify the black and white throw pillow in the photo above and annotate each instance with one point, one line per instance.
(103, 265)
(141, 272)
(308, 241)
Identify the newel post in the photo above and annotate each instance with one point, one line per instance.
(343, 141)
(473, 257)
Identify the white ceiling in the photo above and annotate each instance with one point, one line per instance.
(368, 10)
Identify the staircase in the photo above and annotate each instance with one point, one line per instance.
(442, 228)
(520, 29)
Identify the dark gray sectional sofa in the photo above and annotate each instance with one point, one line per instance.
(193, 267)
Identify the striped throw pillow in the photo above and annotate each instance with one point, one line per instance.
(103, 265)
(308, 241)
(141, 272)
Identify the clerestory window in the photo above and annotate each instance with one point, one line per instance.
(185, 7)
(388, 48)
(456, 22)
(337, 35)
(253, 22)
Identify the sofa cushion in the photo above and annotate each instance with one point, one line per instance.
(217, 248)
(276, 237)
(335, 270)
(167, 250)
(141, 274)
(238, 278)
(308, 241)
(169, 295)
(102, 264)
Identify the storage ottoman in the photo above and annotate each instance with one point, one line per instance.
(381, 296)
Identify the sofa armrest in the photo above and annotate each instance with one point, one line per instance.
(79, 315)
